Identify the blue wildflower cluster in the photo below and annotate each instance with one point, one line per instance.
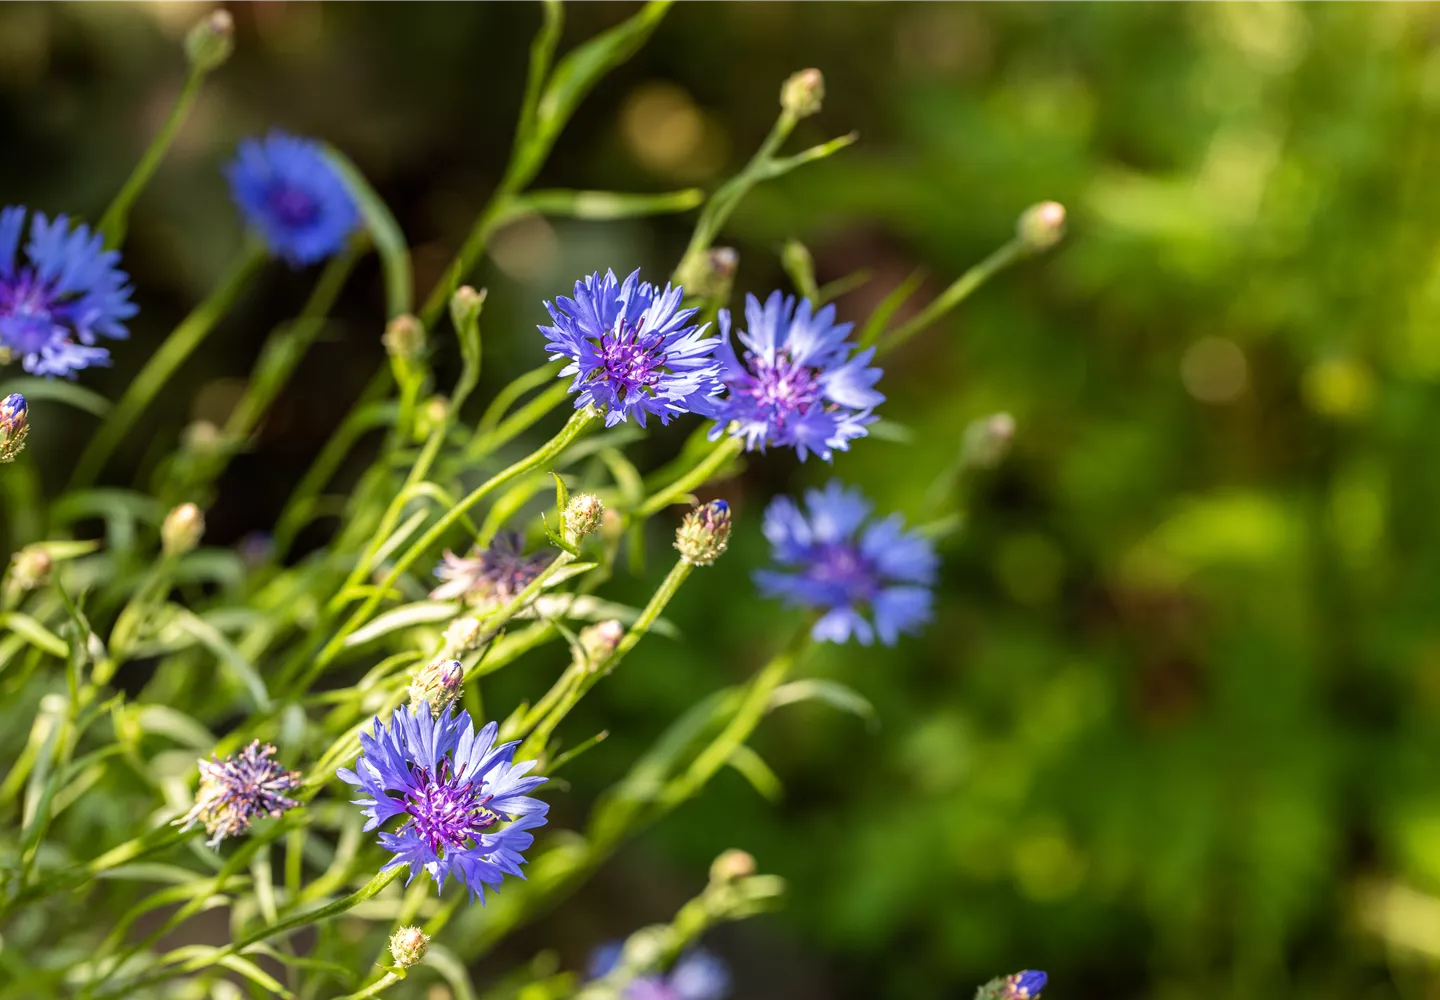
(292, 196)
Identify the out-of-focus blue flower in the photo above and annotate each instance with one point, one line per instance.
(463, 798)
(291, 194)
(1025, 985)
(696, 975)
(489, 576)
(65, 293)
(236, 791)
(882, 570)
(797, 383)
(633, 350)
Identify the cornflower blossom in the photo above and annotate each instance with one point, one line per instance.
(696, 975)
(236, 791)
(839, 564)
(289, 192)
(633, 350)
(64, 294)
(797, 384)
(467, 815)
(489, 576)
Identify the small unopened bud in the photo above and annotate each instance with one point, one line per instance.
(803, 93)
(182, 530)
(1024, 985)
(987, 441)
(202, 437)
(597, 642)
(799, 263)
(437, 684)
(705, 533)
(1041, 226)
(612, 526)
(710, 275)
(462, 635)
(14, 426)
(408, 946)
(404, 338)
(465, 306)
(431, 416)
(733, 864)
(582, 516)
(30, 567)
(210, 42)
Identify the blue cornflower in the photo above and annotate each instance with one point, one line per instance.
(836, 566)
(65, 293)
(797, 384)
(696, 975)
(290, 193)
(633, 350)
(467, 814)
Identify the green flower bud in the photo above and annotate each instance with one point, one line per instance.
(209, 44)
(465, 306)
(408, 946)
(462, 635)
(30, 567)
(803, 93)
(733, 864)
(438, 684)
(14, 426)
(182, 529)
(404, 338)
(597, 642)
(704, 534)
(987, 441)
(582, 516)
(1041, 226)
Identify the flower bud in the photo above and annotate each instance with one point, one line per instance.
(612, 526)
(462, 635)
(803, 93)
(182, 530)
(30, 567)
(431, 415)
(704, 534)
(14, 425)
(404, 338)
(437, 684)
(202, 437)
(1024, 985)
(987, 441)
(597, 642)
(210, 42)
(582, 516)
(733, 864)
(1041, 226)
(408, 945)
(465, 306)
(711, 274)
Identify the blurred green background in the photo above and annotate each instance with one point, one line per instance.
(1173, 733)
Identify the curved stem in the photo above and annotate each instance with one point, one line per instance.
(374, 989)
(725, 449)
(952, 296)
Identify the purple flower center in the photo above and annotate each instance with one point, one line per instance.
(631, 360)
(292, 206)
(28, 312)
(446, 813)
(844, 573)
(781, 387)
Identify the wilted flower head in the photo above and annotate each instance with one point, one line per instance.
(489, 576)
(846, 571)
(633, 350)
(704, 535)
(696, 975)
(14, 426)
(291, 194)
(234, 792)
(467, 815)
(66, 292)
(796, 384)
(408, 946)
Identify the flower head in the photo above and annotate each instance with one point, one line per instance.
(14, 426)
(408, 946)
(489, 576)
(836, 566)
(633, 350)
(65, 293)
(235, 791)
(288, 191)
(466, 814)
(704, 535)
(797, 383)
(1024, 985)
(696, 975)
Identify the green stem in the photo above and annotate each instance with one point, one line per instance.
(114, 222)
(952, 296)
(726, 449)
(162, 365)
(518, 422)
(470, 252)
(374, 989)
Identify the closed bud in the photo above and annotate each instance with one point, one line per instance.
(582, 516)
(438, 684)
(182, 530)
(30, 567)
(408, 946)
(202, 437)
(705, 533)
(1041, 226)
(1021, 986)
(711, 274)
(465, 306)
(803, 93)
(597, 642)
(210, 42)
(431, 415)
(987, 441)
(14, 426)
(462, 635)
(404, 338)
(733, 864)
(612, 526)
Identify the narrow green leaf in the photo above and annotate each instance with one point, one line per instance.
(209, 637)
(880, 318)
(830, 692)
(405, 616)
(754, 769)
(59, 391)
(384, 230)
(605, 205)
(33, 632)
